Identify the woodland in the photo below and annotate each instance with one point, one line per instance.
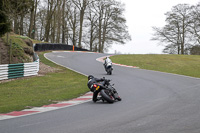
(90, 24)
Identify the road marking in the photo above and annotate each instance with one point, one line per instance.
(60, 56)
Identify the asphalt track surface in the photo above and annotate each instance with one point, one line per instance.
(152, 102)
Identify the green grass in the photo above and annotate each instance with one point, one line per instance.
(17, 39)
(188, 65)
(41, 90)
(47, 62)
(18, 45)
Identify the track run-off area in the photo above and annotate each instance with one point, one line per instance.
(152, 102)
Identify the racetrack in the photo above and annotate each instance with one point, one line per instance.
(152, 102)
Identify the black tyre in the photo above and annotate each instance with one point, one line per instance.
(106, 96)
(119, 98)
(109, 71)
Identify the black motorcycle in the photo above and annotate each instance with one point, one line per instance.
(106, 91)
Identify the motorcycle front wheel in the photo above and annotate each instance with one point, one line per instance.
(105, 94)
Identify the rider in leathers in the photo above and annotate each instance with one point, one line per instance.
(91, 81)
(107, 62)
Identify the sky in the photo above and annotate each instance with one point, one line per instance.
(141, 16)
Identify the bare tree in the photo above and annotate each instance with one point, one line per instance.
(50, 11)
(73, 20)
(63, 22)
(195, 24)
(81, 6)
(58, 18)
(176, 33)
(32, 24)
(41, 19)
(92, 24)
(82, 23)
(111, 23)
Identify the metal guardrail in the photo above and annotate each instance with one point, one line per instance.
(9, 71)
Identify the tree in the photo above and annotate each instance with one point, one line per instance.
(32, 24)
(63, 22)
(111, 24)
(92, 24)
(195, 23)
(40, 23)
(50, 12)
(176, 33)
(4, 23)
(73, 20)
(81, 6)
(16, 10)
(82, 23)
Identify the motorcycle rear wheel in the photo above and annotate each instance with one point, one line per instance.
(109, 72)
(106, 96)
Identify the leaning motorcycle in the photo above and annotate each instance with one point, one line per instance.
(106, 91)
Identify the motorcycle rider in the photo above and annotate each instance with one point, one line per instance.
(107, 62)
(91, 81)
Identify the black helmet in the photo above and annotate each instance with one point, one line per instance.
(90, 77)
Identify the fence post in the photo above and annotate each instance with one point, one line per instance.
(7, 35)
(10, 52)
(0, 56)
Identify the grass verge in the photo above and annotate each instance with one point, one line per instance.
(188, 65)
(23, 93)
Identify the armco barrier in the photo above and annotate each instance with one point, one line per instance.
(9, 71)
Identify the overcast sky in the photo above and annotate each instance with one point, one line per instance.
(141, 16)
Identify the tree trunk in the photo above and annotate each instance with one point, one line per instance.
(100, 23)
(53, 24)
(91, 37)
(34, 19)
(21, 25)
(74, 29)
(59, 22)
(63, 22)
(48, 19)
(16, 25)
(183, 41)
(31, 21)
(81, 27)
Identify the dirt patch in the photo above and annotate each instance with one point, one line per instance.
(44, 69)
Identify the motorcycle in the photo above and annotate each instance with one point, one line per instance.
(106, 91)
(109, 69)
